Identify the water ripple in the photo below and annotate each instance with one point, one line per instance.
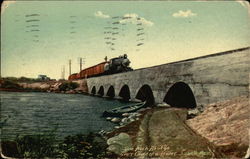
(40, 112)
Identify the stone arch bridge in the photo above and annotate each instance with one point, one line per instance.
(186, 83)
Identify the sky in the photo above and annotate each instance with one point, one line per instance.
(39, 37)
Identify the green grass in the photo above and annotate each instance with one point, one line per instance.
(47, 146)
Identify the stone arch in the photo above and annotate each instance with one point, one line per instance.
(125, 93)
(93, 90)
(111, 92)
(180, 95)
(101, 91)
(145, 93)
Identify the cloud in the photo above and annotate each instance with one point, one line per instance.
(184, 14)
(101, 15)
(134, 18)
(6, 4)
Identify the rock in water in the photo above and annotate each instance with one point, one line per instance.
(102, 132)
(163, 105)
(125, 114)
(120, 144)
(116, 120)
(125, 120)
(108, 118)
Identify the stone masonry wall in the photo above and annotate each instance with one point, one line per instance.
(212, 78)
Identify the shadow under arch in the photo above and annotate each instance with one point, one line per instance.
(180, 95)
(125, 93)
(145, 93)
(101, 91)
(111, 92)
(93, 90)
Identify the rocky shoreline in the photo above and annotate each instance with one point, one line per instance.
(135, 138)
(79, 87)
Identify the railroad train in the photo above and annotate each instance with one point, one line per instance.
(114, 65)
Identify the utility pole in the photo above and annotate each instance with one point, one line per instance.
(81, 61)
(63, 72)
(80, 64)
(69, 67)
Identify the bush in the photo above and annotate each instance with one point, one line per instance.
(10, 84)
(77, 146)
(68, 86)
(36, 146)
(84, 146)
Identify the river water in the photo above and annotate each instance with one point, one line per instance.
(31, 113)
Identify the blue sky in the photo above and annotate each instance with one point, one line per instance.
(168, 31)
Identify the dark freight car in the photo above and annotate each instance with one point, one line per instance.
(73, 76)
(114, 65)
(93, 71)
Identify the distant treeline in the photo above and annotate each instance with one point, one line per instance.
(13, 83)
(22, 79)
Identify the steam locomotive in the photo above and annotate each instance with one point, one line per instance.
(114, 65)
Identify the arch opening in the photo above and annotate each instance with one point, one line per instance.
(125, 93)
(145, 93)
(93, 90)
(101, 91)
(180, 95)
(111, 92)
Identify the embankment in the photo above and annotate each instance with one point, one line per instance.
(226, 125)
(221, 131)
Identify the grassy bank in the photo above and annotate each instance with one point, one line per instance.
(46, 145)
